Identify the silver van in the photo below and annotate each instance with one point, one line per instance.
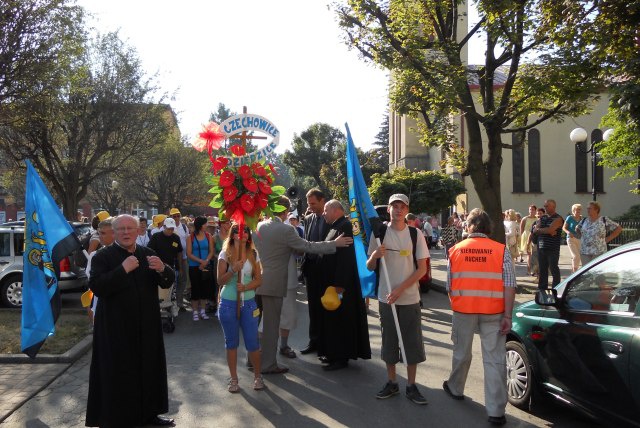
(11, 250)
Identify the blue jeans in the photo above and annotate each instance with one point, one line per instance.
(231, 325)
(548, 261)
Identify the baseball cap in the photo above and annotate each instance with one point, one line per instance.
(174, 211)
(169, 223)
(399, 197)
(103, 215)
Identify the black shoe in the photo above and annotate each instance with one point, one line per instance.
(161, 421)
(390, 389)
(324, 360)
(336, 365)
(497, 420)
(445, 386)
(309, 349)
(414, 395)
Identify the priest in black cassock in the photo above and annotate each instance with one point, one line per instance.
(128, 378)
(345, 332)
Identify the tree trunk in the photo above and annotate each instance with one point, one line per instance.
(485, 175)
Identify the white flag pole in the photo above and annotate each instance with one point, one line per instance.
(383, 268)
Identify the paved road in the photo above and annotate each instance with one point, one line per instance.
(306, 396)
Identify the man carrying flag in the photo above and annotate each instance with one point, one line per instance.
(48, 239)
(401, 296)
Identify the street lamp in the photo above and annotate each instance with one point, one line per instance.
(578, 136)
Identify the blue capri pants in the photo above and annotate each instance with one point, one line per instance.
(231, 325)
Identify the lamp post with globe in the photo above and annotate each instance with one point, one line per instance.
(578, 136)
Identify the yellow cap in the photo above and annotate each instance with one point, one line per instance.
(159, 219)
(330, 300)
(103, 215)
(173, 211)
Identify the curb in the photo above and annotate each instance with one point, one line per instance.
(71, 356)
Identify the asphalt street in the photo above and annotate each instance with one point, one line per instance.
(306, 396)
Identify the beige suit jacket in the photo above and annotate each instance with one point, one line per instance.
(274, 242)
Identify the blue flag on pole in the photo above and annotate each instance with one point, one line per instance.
(48, 239)
(361, 210)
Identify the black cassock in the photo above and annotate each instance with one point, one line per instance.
(345, 331)
(128, 378)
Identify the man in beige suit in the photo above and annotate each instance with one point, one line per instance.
(274, 241)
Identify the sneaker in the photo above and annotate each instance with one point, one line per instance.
(233, 386)
(203, 315)
(414, 395)
(390, 388)
(258, 383)
(195, 316)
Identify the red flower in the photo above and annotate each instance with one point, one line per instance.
(229, 193)
(269, 179)
(259, 169)
(210, 138)
(238, 150)
(244, 171)
(219, 163)
(246, 202)
(264, 188)
(227, 178)
(250, 184)
(272, 169)
(261, 200)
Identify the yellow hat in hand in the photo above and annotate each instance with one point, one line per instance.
(330, 300)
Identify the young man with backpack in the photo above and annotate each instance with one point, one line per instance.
(405, 259)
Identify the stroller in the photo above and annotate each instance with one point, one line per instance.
(168, 308)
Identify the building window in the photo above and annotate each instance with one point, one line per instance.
(535, 183)
(581, 167)
(596, 137)
(517, 157)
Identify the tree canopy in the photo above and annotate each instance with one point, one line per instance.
(525, 79)
(428, 191)
(105, 113)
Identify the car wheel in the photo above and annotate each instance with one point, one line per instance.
(519, 376)
(11, 291)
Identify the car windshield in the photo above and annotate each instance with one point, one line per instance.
(612, 285)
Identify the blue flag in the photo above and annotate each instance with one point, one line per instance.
(48, 239)
(361, 210)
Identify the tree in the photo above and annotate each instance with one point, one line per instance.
(418, 41)
(609, 31)
(103, 116)
(37, 39)
(428, 191)
(174, 177)
(313, 148)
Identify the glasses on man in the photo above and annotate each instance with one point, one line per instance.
(125, 229)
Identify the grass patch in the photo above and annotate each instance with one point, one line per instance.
(71, 328)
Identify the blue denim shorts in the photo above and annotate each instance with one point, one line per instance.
(231, 325)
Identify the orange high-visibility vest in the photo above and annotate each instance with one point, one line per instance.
(476, 276)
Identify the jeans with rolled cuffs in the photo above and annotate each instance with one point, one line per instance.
(231, 325)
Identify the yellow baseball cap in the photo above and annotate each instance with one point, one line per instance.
(159, 220)
(174, 211)
(103, 215)
(330, 300)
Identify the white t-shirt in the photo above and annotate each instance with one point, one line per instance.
(182, 231)
(399, 263)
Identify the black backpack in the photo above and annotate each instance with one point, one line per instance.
(413, 232)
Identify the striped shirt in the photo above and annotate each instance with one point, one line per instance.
(508, 274)
(546, 241)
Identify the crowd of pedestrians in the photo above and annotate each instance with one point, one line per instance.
(248, 279)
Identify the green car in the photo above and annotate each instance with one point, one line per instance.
(580, 342)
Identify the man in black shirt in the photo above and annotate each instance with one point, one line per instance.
(549, 245)
(167, 244)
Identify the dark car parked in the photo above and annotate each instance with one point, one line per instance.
(580, 343)
(71, 278)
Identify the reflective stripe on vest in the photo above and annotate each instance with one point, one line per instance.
(481, 275)
(476, 276)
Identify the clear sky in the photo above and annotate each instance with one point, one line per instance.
(283, 59)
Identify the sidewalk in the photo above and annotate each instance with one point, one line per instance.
(527, 285)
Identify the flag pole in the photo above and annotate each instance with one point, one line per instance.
(383, 268)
